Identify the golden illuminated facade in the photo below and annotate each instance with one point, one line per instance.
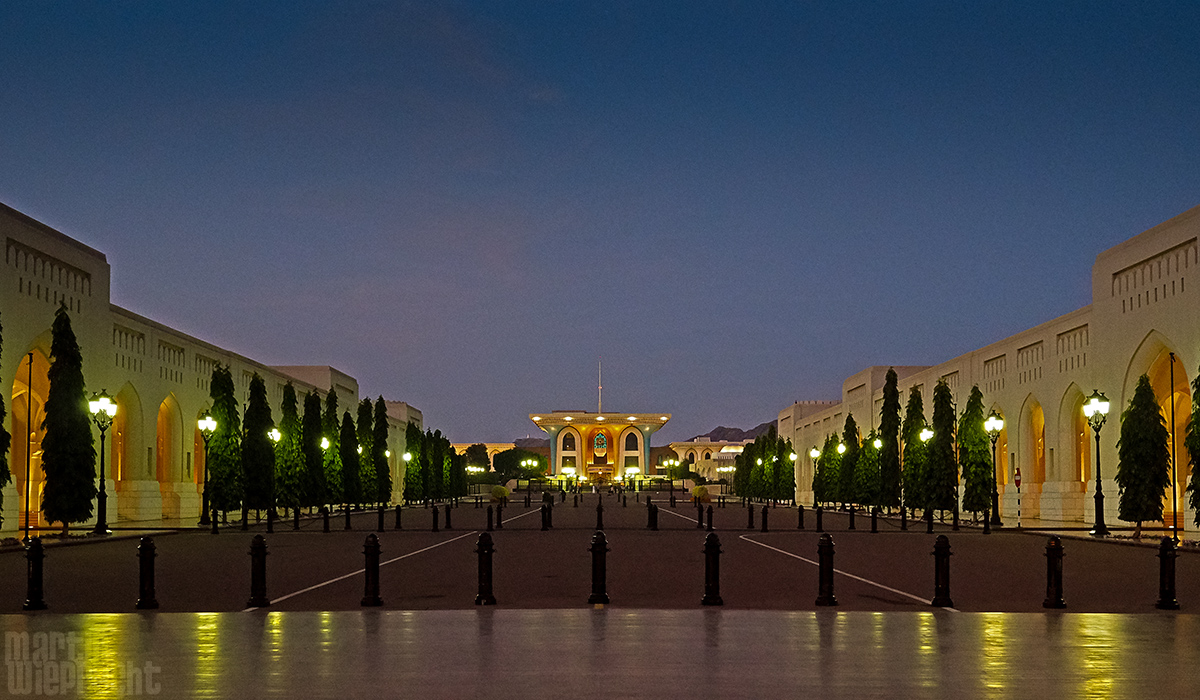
(599, 446)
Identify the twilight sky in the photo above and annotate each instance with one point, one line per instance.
(464, 205)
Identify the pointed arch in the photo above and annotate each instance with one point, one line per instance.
(168, 442)
(1073, 463)
(27, 402)
(1031, 442)
(126, 434)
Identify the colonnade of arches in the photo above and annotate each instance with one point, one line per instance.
(170, 455)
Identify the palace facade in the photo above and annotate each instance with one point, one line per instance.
(158, 376)
(1144, 319)
(600, 446)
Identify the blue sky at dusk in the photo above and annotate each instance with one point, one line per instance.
(464, 205)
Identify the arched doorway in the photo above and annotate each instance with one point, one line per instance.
(27, 406)
(168, 450)
(1072, 467)
(1032, 457)
(1176, 397)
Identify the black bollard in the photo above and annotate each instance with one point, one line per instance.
(599, 550)
(1166, 575)
(851, 517)
(954, 524)
(712, 569)
(649, 514)
(825, 571)
(600, 515)
(820, 511)
(399, 526)
(258, 573)
(929, 522)
(624, 500)
(214, 520)
(245, 518)
(941, 573)
(875, 519)
(764, 519)
(1054, 570)
(500, 516)
(575, 501)
(987, 525)
(526, 500)
(750, 518)
(699, 516)
(545, 518)
(325, 518)
(295, 518)
(489, 519)
(800, 517)
(672, 500)
(564, 496)
(35, 556)
(447, 518)
(903, 518)
(710, 527)
(435, 519)
(382, 512)
(270, 520)
(550, 513)
(484, 548)
(371, 597)
(146, 554)
(654, 518)
(348, 527)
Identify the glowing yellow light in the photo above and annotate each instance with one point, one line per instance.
(407, 457)
(274, 434)
(841, 448)
(324, 443)
(878, 443)
(537, 417)
(632, 418)
(814, 453)
(926, 433)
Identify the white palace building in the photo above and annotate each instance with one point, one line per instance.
(159, 377)
(1145, 307)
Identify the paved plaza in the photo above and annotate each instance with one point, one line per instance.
(652, 640)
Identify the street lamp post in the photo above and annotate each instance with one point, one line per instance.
(207, 426)
(103, 410)
(275, 436)
(1096, 411)
(993, 425)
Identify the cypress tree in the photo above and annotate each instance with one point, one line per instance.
(258, 452)
(741, 473)
(852, 439)
(866, 473)
(312, 429)
(787, 482)
(975, 455)
(437, 465)
(289, 452)
(5, 438)
(348, 445)
(224, 456)
(414, 483)
(332, 461)
(364, 429)
(1191, 442)
(379, 443)
(889, 435)
(757, 487)
(427, 450)
(942, 467)
(914, 451)
(829, 466)
(68, 449)
(1144, 459)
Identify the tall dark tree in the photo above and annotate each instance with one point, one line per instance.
(1192, 442)
(1144, 458)
(68, 449)
(223, 460)
(477, 456)
(508, 465)
(348, 445)
(314, 492)
(364, 429)
(456, 472)
(914, 451)
(289, 452)
(889, 435)
(786, 484)
(258, 452)
(827, 472)
(436, 465)
(943, 462)
(852, 439)
(332, 426)
(379, 452)
(5, 438)
(975, 455)
(414, 477)
(866, 473)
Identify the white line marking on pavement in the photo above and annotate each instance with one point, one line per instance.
(843, 573)
(382, 563)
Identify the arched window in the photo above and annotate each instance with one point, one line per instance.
(569, 442)
(631, 443)
(691, 458)
(708, 455)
